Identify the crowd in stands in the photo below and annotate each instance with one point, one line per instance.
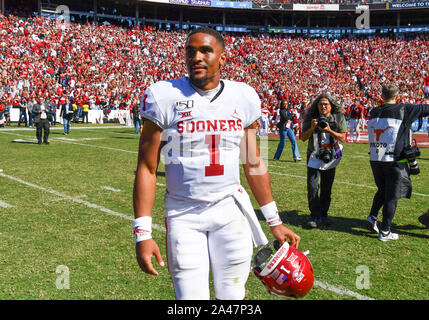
(109, 67)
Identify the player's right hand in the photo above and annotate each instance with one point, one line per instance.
(282, 233)
(144, 252)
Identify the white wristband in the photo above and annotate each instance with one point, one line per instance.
(271, 214)
(142, 228)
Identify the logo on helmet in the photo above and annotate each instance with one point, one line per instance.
(283, 270)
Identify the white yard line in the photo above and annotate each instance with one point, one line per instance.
(76, 140)
(271, 172)
(340, 290)
(111, 189)
(343, 182)
(99, 147)
(76, 199)
(337, 290)
(60, 127)
(5, 204)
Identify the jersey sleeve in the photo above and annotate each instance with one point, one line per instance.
(252, 107)
(414, 111)
(150, 109)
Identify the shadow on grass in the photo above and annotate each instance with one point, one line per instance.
(271, 161)
(348, 225)
(24, 141)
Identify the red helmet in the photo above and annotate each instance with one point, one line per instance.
(283, 270)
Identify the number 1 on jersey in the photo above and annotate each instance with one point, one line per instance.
(215, 168)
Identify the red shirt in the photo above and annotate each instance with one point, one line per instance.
(356, 112)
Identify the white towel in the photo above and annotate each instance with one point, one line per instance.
(243, 200)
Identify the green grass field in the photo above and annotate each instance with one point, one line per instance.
(67, 207)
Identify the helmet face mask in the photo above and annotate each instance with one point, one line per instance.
(283, 270)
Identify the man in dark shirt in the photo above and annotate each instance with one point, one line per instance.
(391, 157)
(42, 117)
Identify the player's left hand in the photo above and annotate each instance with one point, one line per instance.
(282, 233)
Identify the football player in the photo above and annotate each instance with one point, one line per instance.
(203, 125)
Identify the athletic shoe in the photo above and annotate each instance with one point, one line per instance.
(275, 159)
(388, 236)
(371, 224)
(297, 159)
(424, 220)
(313, 223)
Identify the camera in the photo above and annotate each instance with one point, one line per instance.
(325, 154)
(411, 153)
(322, 122)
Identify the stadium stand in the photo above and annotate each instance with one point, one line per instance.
(110, 66)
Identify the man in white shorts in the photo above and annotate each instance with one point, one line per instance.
(356, 117)
(203, 126)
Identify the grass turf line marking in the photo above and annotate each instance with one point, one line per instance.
(77, 200)
(342, 182)
(100, 147)
(340, 290)
(111, 189)
(323, 285)
(4, 204)
(277, 173)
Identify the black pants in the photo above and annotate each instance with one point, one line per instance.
(319, 205)
(84, 116)
(43, 124)
(393, 182)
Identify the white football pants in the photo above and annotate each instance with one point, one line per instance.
(216, 237)
(354, 127)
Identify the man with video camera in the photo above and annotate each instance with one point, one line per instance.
(392, 157)
(325, 127)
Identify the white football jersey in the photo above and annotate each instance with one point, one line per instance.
(202, 138)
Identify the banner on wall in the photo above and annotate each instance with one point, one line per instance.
(316, 7)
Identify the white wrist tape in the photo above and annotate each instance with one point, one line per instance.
(142, 228)
(271, 214)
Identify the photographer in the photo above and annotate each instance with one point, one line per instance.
(325, 127)
(392, 157)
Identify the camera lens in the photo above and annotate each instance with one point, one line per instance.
(322, 122)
